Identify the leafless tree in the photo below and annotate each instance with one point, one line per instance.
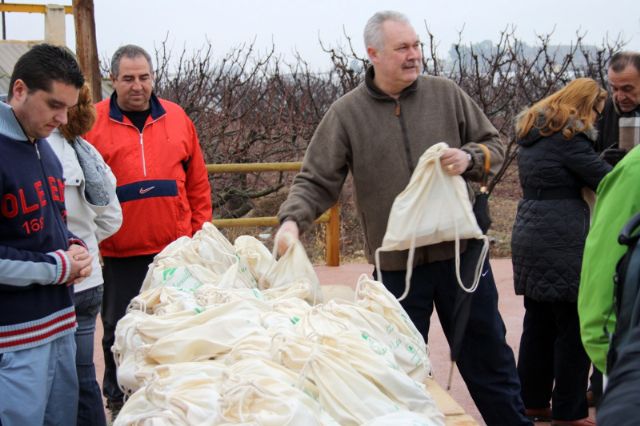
(502, 77)
(250, 106)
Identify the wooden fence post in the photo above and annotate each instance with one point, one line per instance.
(86, 45)
(333, 237)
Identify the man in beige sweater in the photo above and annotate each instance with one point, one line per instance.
(377, 132)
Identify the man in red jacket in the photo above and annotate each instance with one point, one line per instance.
(152, 147)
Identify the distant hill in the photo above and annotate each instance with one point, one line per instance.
(557, 52)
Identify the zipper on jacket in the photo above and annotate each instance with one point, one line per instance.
(144, 162)
(405, 137)
(57, 216)
(141, 140)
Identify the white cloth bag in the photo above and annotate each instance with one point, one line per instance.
(256, 256)
(292, 268)
(434, 207)
(262, 392)
(177, 394)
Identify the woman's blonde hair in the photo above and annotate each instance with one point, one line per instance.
(81, 117)
(569, 110)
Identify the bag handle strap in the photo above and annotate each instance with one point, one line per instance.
(486, 167)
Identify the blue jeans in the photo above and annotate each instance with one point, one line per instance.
(90, 407)
(38, 385)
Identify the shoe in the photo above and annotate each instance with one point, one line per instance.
(114, 407)
(538, 414)
(587, 421)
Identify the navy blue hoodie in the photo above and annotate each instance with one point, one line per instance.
(35, 305)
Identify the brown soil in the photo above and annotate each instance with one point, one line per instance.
(503, 204)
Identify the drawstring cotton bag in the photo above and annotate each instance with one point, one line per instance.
(177, 394)
(293, 267)
(434, 207)
(256, 256)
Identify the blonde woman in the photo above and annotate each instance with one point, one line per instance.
(556, 160)
(93, 214)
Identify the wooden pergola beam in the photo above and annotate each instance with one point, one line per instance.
(30, 8)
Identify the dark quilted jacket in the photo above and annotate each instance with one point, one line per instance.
(549, 234)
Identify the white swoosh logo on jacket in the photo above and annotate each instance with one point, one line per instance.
(143, 191)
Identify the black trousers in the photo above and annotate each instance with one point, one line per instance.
(123, 277)
(486, 362)
(552, 363)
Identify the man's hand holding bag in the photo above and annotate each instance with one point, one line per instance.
(434, 207)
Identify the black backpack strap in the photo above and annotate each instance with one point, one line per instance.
(627, 235)
(626, 303)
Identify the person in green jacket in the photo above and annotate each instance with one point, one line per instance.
(618, 200)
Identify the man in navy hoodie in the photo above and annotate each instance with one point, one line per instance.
(39, 258)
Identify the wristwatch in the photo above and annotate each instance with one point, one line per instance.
(471, 162)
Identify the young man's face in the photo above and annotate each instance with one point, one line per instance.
(41, 112)
(625, 87)
(133, 84)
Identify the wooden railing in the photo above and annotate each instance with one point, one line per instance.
(30, 8)
(331, 217)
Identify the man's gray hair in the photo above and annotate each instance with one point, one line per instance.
(130, 51)
(620, 60)
(373, 29)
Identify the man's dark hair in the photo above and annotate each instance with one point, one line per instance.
(621, 60)
(42, 65)
(130, 51)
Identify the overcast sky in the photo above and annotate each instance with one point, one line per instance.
(298, 25)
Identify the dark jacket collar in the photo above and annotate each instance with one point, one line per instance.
(534, 136)
(115, 112)
(376, 93)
